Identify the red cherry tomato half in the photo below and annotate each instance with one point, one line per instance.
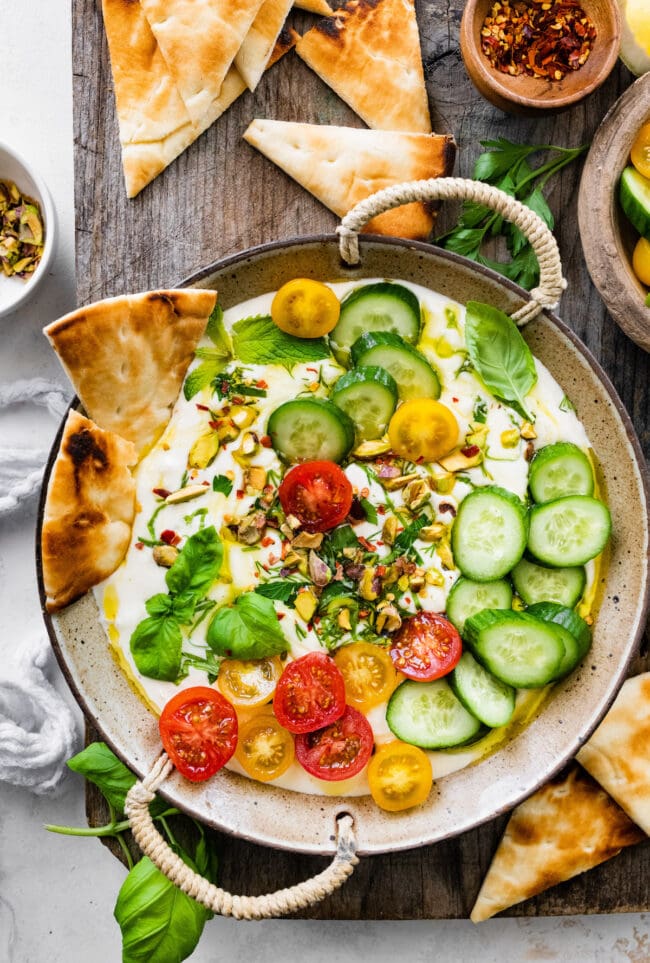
(338, 751)
(317, 493)
(310, 693)
(198, 728)
(426, 647)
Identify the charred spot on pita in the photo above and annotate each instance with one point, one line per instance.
(82, 448)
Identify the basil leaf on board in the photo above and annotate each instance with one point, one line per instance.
(259, 341)
(159, 922)
(247, 630)
(500, 355)
(221, 483)
(99, 765)
(156, 647)
(198, 563)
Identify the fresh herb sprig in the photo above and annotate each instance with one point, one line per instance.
(506, 166)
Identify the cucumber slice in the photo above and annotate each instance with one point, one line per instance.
(559, 470)
(635, 199)
(376, 307)
(368, 395)
(569, 531)
(428, 714)
(534, 583)
(310, 429)
(482, 694)
(489, 534)
(517, 648)
(467, 598)
(414, 376)
(579, 634)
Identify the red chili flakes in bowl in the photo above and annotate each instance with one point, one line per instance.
(541, 38)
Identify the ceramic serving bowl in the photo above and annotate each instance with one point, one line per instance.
(306, 823)
(608, 238)
(15, 291)
(531, 95)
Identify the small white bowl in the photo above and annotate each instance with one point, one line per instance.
(15, 291)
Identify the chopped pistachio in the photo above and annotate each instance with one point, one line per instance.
(388, 618)
(165, 555)
(478, 434)
(527, 431)
(255, 478)
(292, 559)
(186, 494)
(343, 620)
(204, 450)
(433, 577)
(445, 555)
(367, 586)
(319, 571)
(371, 449)
(433, 533)
(417, 581)
(416, 494)
(21, 232)
(443, 484)
(389, 530)
(242, 415)
(306, 604)
(403, 583)
(249, 446)
(510, 438)
(394, 484)
(457, 461)
(250, 528)
(308, 540)
(228, 431)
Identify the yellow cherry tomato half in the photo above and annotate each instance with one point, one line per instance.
(305, 308)
(641, 260)
(400, 776)
(249, 683)
(368, 673)
(640, 153)
(264, 749)
(423, 430)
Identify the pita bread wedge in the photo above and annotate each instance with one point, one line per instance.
(199, 40)
(369, 53)
(89, 511)
(618, 753)
(253, 55)
(565, 828)
(314, 6)
(343, 165)
(127, 356)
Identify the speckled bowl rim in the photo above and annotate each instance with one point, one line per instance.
(283, 809)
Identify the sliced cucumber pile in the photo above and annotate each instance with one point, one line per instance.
(576, 637)
(635, 199)
(489, 534)
(536, 583)
(569, 531)
(414, 376)
(368, 395)
(516, 647)
(482, 694)
(383, 306)
(311, 429)
(467, 598)
(559, 470)
(428, 714)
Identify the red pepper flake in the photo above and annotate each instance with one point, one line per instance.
(363, 613)
(455, 400)
(381, 509)
(470, 451)
(240, 493)
(215, 424)
(261, 384)
(369, 547)
(206, 483)
(280, 615)
(266, 541)
(202, 408)
(541, 38)
(308, 368)
(169, 537)
(316, 620)
(139, 546)
(381, 570)
(407, 600)
(273, 559)
(238, 401)
(266, 442)
(161, 492)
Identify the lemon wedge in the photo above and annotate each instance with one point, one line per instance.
(635, 41)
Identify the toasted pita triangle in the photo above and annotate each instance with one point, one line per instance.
(343, 165)
(199, 40)
(253, 55)
(89, 511)
(618, 753)
(369, 53)
(566, 828)
(314, 6)
(127, 356)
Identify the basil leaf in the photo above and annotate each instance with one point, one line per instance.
(503, 155)
(284, 591)
(198, 563)
(159, 922)
(260, 341)
(220, 483)
(159, 605)
(248, 630)
(500, 355)
(217, 333)
(99, 765)
(156, 647)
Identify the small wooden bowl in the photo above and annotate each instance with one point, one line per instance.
(608, 238)
(529, 95)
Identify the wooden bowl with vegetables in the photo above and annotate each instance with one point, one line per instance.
(544, 58)
(614, 211)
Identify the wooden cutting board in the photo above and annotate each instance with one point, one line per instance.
(219, 197)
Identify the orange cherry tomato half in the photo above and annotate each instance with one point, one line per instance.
(198, 729)
(339, 750)
(318, 493)
(641, 260)
(426, 647)
(422, 430)
(249, 682)
(310, 693)
(400, 776)
(305, 308)
(264, 749)
(368, 673)
(640, 153)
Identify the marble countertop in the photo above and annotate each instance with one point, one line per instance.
(57, 893)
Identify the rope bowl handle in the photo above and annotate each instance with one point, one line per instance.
(213, 897)
(551, 283)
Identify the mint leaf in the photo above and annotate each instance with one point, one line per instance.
(217, 333)
(156, 648)
(247, 630)
(221, 483)
(500, 355)
(283, 591)
(198, 563)
(201, 377)
(260, 341)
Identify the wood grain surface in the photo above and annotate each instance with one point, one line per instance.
(221, 196)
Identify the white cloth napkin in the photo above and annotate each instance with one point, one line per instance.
(38, 732)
